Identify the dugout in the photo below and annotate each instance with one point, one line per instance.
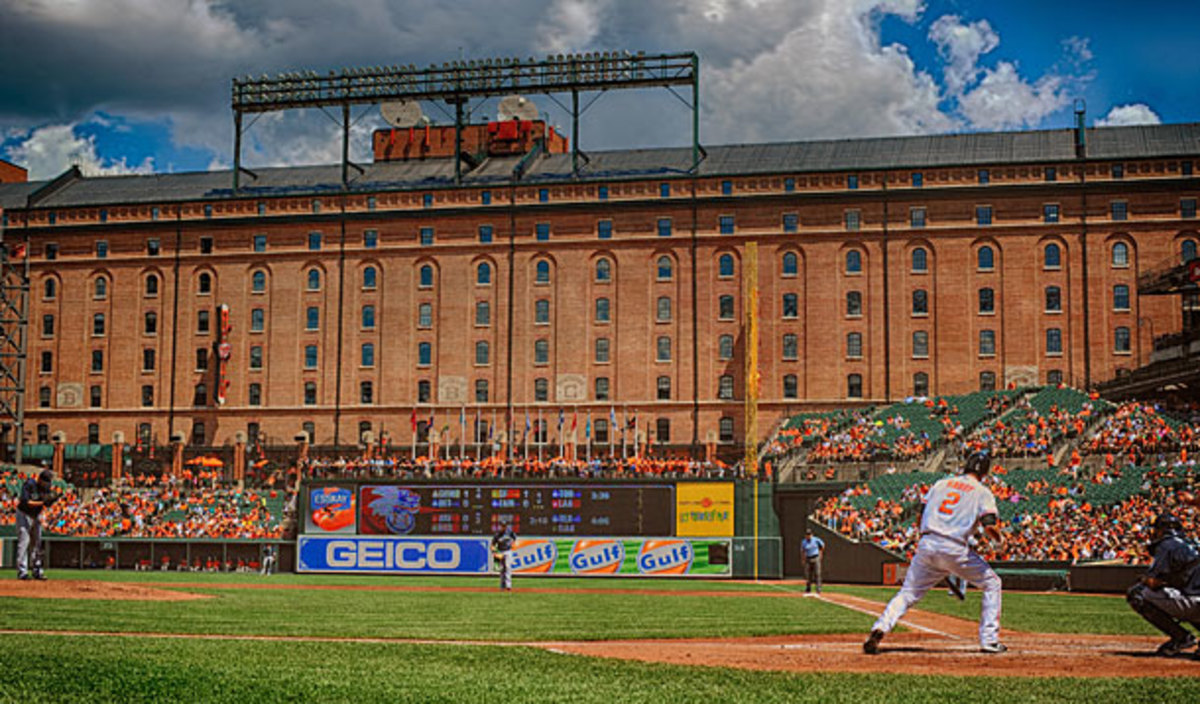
(145, 553)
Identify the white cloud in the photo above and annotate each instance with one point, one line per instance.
(960, 46)
(1134, 114)
(997, 98)
(48, 151)
(827, 77)
(571, 25)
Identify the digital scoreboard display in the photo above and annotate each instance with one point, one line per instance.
(549, 510)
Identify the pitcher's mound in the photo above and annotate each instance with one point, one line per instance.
(89, 589)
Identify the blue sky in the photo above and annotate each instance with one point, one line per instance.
(143, 85)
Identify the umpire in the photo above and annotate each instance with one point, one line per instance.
(813, 549)
(502, 545)
(36, 495)
(1169, 593)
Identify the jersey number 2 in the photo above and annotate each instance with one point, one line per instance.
(947, 506)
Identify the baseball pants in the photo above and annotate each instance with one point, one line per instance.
(1165, 608)
(505, 571)
(29, 544)
(937, 557)
(812, 573)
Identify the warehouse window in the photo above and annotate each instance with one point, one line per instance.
(920, 384)
(725, 429)
(790, 388)
(790, 264)
(482, 353)
(725, 307)
(367, 355)
(987, 381)
(725, 347)
(602, 350)
(1052, 257)
(258, 282)
(665, 269)
(541, 311)
(1053, 299)
(603, 270)
(601, 395)
(854, 262)
(1054, 341)
(986, 258)
(314, 280)
(483, 274)
(987, 301)
(790, 347)
(424, 354)
(920, 344)
(920, 302)
(1120, 297)
(663, 388)
(854, 386)
(426, 276)
(919, 261)
(541, 352)
(854, 345)
(662, 349)
(725, 387)
(987, 342)
(1120, 255)
(603, 312)
(483, 314)
(542, 272)
(854, 304)
(663, 309)
(725, 266)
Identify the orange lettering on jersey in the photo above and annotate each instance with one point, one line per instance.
(961, 486)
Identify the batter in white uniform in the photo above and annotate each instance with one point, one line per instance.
(953, 509)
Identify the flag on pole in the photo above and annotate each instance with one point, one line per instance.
(587, 427)
(561, 420)
(574, 420)
(528, 426)
(413, 420)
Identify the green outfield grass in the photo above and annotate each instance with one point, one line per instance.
(1025, 611)
(449, 615)
(106, 669)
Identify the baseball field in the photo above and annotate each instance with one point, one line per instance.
(130, 637)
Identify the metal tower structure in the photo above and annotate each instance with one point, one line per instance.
(14, 325)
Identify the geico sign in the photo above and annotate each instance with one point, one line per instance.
(386, 554)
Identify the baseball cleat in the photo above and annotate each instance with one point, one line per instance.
(1176, 646)
(993, 648)
(871, 647)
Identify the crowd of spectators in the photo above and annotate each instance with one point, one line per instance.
(1137, 431)
(495, 467)
(152, 507)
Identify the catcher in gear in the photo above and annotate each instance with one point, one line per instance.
(1168, 594)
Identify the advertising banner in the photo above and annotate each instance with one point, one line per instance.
(650, 557)
(330, 509)
(704, 509)
(388, 555)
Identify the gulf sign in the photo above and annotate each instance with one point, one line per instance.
(393, 555)
(330, 510)
(595, 557)
(665, 557)
(533, 556)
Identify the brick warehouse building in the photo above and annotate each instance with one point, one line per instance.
(888, 267)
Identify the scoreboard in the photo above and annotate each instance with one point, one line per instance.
(531, 509)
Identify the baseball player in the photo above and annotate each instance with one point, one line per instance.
(36, 495)
(502, 545)
(950, 514)
(1168, 595)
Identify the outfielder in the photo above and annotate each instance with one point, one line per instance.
(502, 544)
(952, 510)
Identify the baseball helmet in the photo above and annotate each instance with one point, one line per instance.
(978, 464)
(1167, 523)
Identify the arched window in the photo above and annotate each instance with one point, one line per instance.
(151, 285)
(725, 266)
(603, 270)
(1187, 252)
(791, 348)
(370, 275)
(204, 283)
(1053, 256)
(542, 275)
(663, 385)
(853, 303)
(483, 274)
(725, 387)
(151, 323)
(725, 347)
(986, 258)
(663, 309)
(920, 302)
(602, 350)
(790, 264)
(314, 279)
(1053, 299)
(919, 260)
(426, 276)
(101, 290)
(853, 262)
(725, 307)
(258, 281)
(1120, 297)
(1120, 254)
(665, 269)
(49, 289)
(854, 386)
(790, 388)
(854, 345)
(1121, 341)
(482, 351)
(725, 429)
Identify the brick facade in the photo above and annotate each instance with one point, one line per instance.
(666, 242)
